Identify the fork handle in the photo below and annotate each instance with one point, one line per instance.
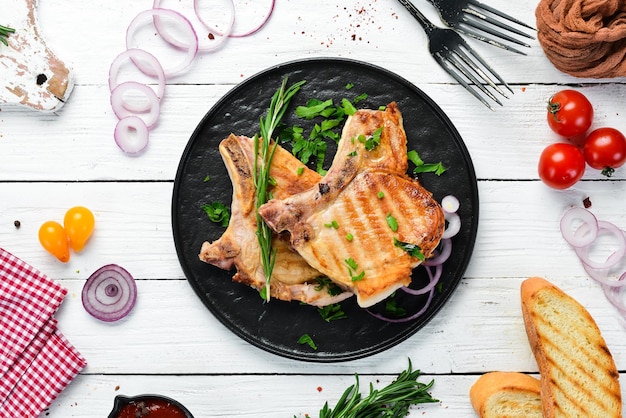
(426, 24)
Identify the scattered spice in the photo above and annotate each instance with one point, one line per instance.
(17, 223)
(587, 202)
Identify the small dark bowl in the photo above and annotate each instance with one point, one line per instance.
(121, 401)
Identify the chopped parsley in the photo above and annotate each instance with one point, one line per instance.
(353, 268)
(392, 222)
(217, 212)
(349, 236)
(332, 224)
(414, 250)
(329, 285)
(392, 308)
(332, 312)
(306, 339)
(422, 167)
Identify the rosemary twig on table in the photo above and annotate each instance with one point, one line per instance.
(4, 34)
(263, 145)
(394, 400)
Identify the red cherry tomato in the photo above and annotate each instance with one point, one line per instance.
(53, 238)
(570, 113)
(605, 149)
(79, 224)
(561, 165)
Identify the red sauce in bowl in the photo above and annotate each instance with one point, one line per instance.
(152, 408)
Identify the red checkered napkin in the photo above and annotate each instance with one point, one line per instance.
(36, 361)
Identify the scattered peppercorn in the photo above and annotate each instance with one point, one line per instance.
(17, 223)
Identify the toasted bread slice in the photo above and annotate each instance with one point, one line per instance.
(578, 374)
(506, 395)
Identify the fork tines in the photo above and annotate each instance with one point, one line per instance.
(488, 20)
(461, 64)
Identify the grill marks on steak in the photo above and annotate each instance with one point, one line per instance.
(293, 278)
(348, 196)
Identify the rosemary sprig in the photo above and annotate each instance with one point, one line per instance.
(394, 400)
(263, 145)
(5, 31)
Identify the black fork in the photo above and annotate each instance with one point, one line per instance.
(484, 23)
(456, 57)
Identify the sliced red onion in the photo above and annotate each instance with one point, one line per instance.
(131, 135)
(190, 44)
(109, 294)
(407, 318)
(267, 13)
(120, 105)
(453, 225)
(582, 235)
(443, 255)
(614, 295)
(450, 204)
(138, 55)
(432, 282)
(614, 257)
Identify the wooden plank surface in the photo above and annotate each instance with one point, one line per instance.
(171, 344)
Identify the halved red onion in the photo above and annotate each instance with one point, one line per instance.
(120, 105)
(136, 55)
(131, 135)
(442, 255)
(109, 294)
(579, 235)
(450, 204)
(190, 41)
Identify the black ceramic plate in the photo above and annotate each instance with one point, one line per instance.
(276, 326)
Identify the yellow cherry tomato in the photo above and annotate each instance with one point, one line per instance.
(53, 238)
(79, 224)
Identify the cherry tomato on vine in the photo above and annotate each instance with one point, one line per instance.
(79, 224)
(561, 165)
(570, 113)
(605, 149)
(53, 238)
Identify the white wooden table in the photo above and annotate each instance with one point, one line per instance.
(171, 344)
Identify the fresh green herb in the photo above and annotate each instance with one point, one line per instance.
(392, 308)
(352, 154)
(329, 285)
(206, 178)
(394, 400)
(332, 312)
(392, 222)
(373, 141)
(351, 263)
(349, 236)
(300, 171)
(360, 98)
(413, 249)
(357, 277)
(217, 212)
(380, 195)
(382, 108)
(261, 176)
(348, 107)
(4, 34)
(421, 167)
(306, 339)
(313, 108)
(333, 224)
(349, 86)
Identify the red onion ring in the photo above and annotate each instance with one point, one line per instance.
(614, 295)
(614, 257)
(120, 105)
(443, 255)
(138, 55)
(408, 318)
(454, 225)
(109, 294)
(450, 204)
(191, 46)
(247, 32)
(432, 282)
(584, 234)
(213, 44)
(124, 138)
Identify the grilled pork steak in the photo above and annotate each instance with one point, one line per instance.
(292, 278)
(347, 226)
